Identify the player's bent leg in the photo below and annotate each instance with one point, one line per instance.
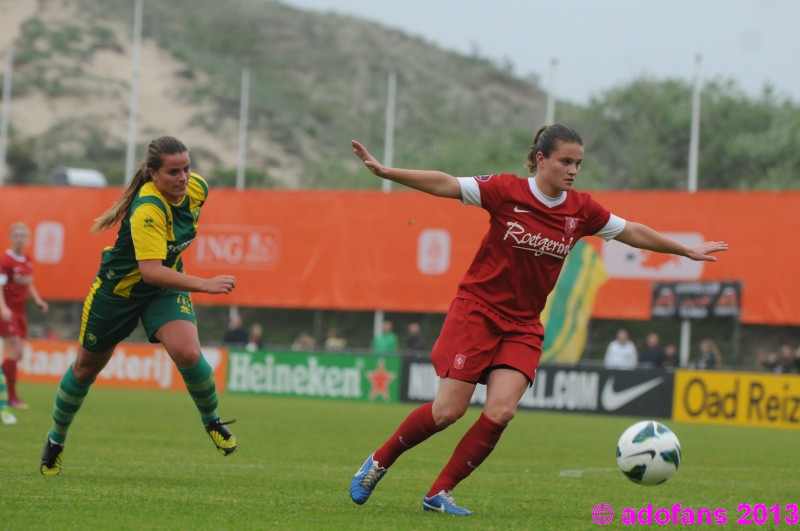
(365, 480)
(181, 341)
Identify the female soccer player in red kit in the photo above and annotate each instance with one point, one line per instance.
(16, 286)
(492, 333)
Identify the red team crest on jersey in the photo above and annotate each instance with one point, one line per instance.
(458, 363)
(571, 225)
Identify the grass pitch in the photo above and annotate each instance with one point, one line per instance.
(141, 460)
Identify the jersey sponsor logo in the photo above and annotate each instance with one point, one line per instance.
(458, 363)
(482, 178)
(519, 210)
(623, 261)
(149, 223)
(612, 399)
(570, 225)
(536, 242)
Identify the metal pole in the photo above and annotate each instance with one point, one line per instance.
(130, 154)
(388, 148)
(694, 139)
(686, 338)
(388, 160)
(694, 151)
(243, 111)
(6, 114)
(550, 116)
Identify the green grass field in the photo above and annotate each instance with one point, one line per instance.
(141, 460)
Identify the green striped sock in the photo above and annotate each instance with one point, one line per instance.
(69, 399)
(3, 390)
(199, 381)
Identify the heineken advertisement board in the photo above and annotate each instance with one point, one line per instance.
(314, 374)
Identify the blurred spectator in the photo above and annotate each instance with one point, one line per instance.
(414, 343)
(785, 363)
(256, 338)
(710, 357)
(653, 353)
(335, 340)
(670, 359)
(386, 341)
(621, 352)
(767, 359)
(236, 336)
(304, 341)
(50, 333)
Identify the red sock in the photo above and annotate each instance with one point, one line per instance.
(472, 450)
(417, 427)
(10, 370)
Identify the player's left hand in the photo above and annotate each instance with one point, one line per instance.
(42, 304)
(369, 161)
(702, 252)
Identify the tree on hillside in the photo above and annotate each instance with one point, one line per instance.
(637, 136)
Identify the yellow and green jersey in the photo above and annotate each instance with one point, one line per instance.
(154, 229)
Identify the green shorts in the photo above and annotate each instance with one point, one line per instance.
(109, 319)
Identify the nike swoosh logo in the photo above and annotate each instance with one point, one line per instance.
(612, 400)
(469, 464)
(403, 442)
(519, 210)
(434, 508)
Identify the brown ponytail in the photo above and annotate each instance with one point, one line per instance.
(165, 145)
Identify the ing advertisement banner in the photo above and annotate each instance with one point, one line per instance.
(737, 398)
(407, 251)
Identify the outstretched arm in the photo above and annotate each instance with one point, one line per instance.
(643, 237)
(155, 273)
(432, 182)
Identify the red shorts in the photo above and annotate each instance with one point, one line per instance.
(474, 340)
(16, 327)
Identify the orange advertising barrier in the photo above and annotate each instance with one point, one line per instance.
(406, 251)
(136, 365)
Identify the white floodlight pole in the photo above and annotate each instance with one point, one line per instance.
(130, 154)
(243, 111)
(550, 115)
(5, 116)
(694, 150)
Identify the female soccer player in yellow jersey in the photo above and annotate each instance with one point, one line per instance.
(141, 278)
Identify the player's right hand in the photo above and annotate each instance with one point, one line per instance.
(220, 285)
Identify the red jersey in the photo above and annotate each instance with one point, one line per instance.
(16, 275)
(529, 238)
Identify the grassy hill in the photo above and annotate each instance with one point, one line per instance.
(317, 80)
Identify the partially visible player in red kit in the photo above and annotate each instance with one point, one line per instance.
(16, 280)
(492, 333)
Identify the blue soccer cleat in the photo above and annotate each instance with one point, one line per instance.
(363, 483)
(443, 503)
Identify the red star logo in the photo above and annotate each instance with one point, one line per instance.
(380, 379)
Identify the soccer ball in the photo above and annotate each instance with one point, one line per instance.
(648, 453)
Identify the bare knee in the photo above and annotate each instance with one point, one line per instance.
(185, 356)
(500, 413)
(88, 365)
(446, 415)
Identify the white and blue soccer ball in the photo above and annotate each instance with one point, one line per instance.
(648, 453)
